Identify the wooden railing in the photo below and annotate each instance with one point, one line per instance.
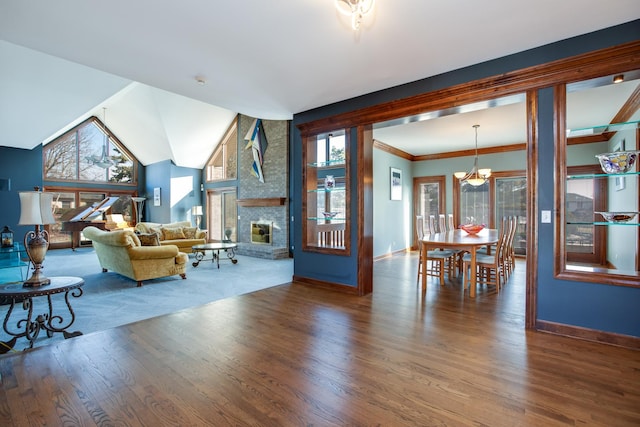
(330, 235)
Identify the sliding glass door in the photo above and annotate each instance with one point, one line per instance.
(222, 215)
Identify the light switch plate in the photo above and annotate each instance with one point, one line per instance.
(545, 217)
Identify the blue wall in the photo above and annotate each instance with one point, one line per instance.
(179, 192)
(24, 169)
(597, 306)
(332, 268)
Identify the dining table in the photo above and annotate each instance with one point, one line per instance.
(458, 240)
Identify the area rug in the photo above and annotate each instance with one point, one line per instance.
(111, 300)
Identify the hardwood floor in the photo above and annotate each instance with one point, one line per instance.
(293, 355)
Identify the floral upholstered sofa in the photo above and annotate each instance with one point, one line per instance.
(120, 251)
(181, 233)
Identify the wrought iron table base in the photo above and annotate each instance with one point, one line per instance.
(215, 255)
(32, 324)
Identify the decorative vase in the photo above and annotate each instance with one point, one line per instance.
(329, 182)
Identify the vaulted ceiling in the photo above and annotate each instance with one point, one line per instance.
(64, 61)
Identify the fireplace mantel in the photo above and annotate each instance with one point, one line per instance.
(268, 201)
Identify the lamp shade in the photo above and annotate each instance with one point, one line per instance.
(196, 210)
(35, 208)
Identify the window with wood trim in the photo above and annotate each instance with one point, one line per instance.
(69, 202)
(223, 164)
(88, 153)
(326, 199)
(504, 194)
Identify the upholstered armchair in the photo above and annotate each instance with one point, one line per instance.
(121, 252)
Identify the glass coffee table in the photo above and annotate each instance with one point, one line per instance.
(215, 248)
(13, 256)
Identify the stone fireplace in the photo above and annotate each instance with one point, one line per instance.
(263, 207)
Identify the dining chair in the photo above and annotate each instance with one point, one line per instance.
(450, 225)
(509, 252)
(436, 259)
(489, 268)
(442, 223)
(457, 253)
(433, 224)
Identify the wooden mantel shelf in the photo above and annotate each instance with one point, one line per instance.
(269, 201)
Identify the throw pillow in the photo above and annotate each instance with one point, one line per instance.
(172, 233)
(189, 232)
(157, 231)
(149, 239)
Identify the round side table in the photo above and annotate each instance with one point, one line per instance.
(30, 325)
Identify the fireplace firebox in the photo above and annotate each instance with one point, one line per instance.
(261, 232)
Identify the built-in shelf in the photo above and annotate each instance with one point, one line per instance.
(604, 223)
(325, 190)
(321, 218)
(602, 129)
(330, 163)
(600, 175)
(255, 203)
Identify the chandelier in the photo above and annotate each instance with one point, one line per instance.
(475, 176)
(357, 9)
(104, 161)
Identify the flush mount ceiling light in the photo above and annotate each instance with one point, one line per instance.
(356, 9)
(200, 80)
(619, 78)
(475, 176)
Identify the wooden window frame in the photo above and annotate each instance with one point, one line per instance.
(112, 138)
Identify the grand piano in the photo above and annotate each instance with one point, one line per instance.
(77, 219)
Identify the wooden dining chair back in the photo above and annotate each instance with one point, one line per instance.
(436, 260)
(331, 235)
(433, 225)
(509, 251)
(450, 225)
(442, 223)
(489, 267)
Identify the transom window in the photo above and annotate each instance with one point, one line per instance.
(223, 164)
(90, 153)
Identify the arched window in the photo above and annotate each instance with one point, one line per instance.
(88, 153)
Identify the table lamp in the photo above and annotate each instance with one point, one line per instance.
(197, 212)
(35, 209)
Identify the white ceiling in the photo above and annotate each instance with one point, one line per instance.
(63, 60)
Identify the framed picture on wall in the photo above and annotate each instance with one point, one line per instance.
(620, 180)
(156, 196)
(396, 184)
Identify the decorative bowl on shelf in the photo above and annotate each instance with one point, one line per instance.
(618, 162)
(472, 228)
(329, 215)
(618, 216)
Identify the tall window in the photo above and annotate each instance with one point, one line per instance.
(88, 153)
(67, 204)
(331, 154)
(222, 215)
(475, 206)
(585, 243)
(511, 200)
(504, 194)
(429, 196)
(325, 227)
(223, 164)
